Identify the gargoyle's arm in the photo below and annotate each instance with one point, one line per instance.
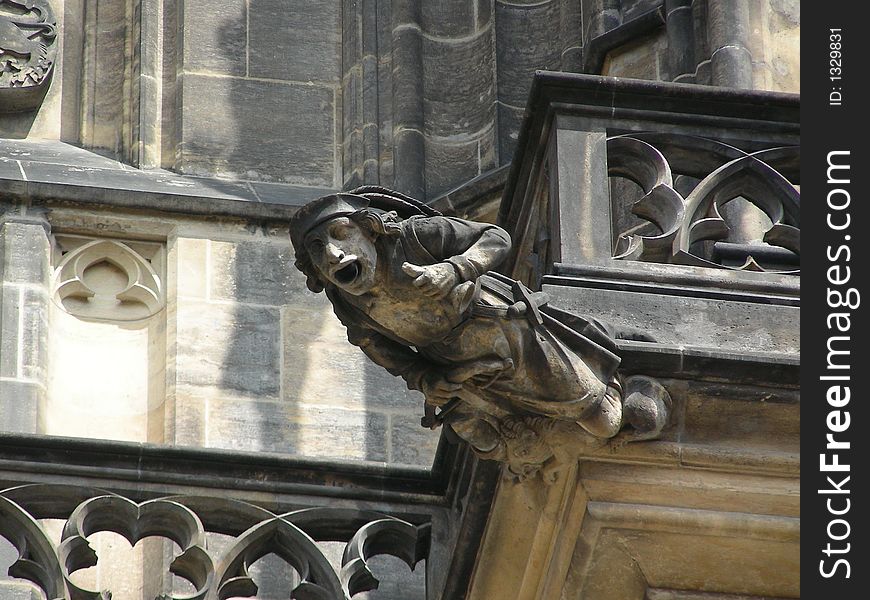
(472, 248)
(399, 360)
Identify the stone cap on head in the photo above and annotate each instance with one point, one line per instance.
(321, 210)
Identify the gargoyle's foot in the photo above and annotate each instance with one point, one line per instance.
(647, 409)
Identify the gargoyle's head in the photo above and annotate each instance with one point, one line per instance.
(335, 242)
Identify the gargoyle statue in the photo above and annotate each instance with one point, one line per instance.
(511, 374)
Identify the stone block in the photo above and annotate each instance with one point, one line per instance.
(25, 253)
(788, 12)
(279, 193)
(10, 309)
(370, 85)
(571, 23)
(299, 41)
(107, 379)
(692, 322)
(371, 138)
(487, 152)
(34, 334)
(449, 165)
(353, 151)
(19, 590)
(105, 50)
(410, 442)
(258, 130)
(127, 187)
(681, 61)
(637, 59)
(732, 67)
(448, 18)
(728, 23)
(484, 13)
(322, 368)
(351, 30)
(50, 152)
(230, 348)
(256, 272)
(407, 103)
(351, 101)
(408, 162)
(191, 271)
(786, 74)
(624, 193)
(385, 90)
(385, 168)
(572, 59)
(188, 427)
(10, 169)
(215, 36)
(304, 431)
(19, 406)
(510, 120)
(383, 15)
(352, 159)
(703, 74)
(766, 422)
(525, 41)
(782, 45)
(458, 86)
(632, 484)
(370, 29)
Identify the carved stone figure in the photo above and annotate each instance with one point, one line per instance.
(510, 373)
(27, 47)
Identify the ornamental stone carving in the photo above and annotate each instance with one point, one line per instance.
(687, 183)
(515, 377)
(28, 46)
(294, 537)
(107, 280)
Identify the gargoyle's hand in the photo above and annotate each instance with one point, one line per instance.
(433, 280)
(438, 390)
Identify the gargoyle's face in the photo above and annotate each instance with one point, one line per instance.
(344, 255)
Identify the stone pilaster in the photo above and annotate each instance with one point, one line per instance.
(408, 152)
(728, 32)
(24, 275)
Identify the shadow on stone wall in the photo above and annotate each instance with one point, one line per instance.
(270, 122)
(252, 360)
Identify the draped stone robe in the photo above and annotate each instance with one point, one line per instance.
(559, 367)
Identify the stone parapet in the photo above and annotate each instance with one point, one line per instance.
(701, 255)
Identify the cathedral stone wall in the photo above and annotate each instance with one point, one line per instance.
(734, 43)
(234, 353)
(176, 138)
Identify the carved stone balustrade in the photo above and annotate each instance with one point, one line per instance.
(674, 210)
(670, 208)
(292, 536)
(656, 207)
(328, 530)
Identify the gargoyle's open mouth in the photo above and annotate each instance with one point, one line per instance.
(347, 274)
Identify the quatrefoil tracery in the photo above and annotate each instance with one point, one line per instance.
(725, 173)
(141, 285)
(292, 536)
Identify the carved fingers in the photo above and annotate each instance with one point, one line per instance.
(433, 280)
(438, 390)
